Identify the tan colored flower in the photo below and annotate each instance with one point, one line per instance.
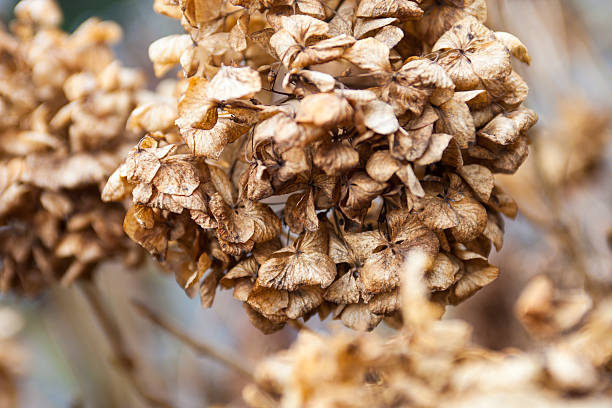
(298, 43)
(440, 16)
(305, 262)
(472, 55)
(417, 82)
(451, 206)
(380, 272)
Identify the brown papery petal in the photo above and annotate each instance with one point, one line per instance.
(456, 120)
(390, 36)
(288, 271)
(480, 179)
(336, 158)
(364, 26)
(359, 317)
(380, 273)
(323, 51)
(323, 109)
(437, 145)
(152, 237)
(494, 230)
(516, 47)
(381, 166)
(389, 8)
(268, 302)
(267, 225)
(233, 227)
(369, 54)
(300, 212)
(442, 274)
(303, 300)
(385, 303)
(380, 117)
(53, 171)
(361, 190)
(477, 55)
(234, 83)
(208, 288)
(303, 27)
(363, 244)
(210, 143)
(244, 269)
(262, 323)
(343, 291)
(177, 177)
(506, 128)
(472, 219)
(199, 11)
(152, 117)
(239, 33)
(115, 189)
(477, 275)
(166, 52)
(438, 214)
(195, 108)
(314, 241)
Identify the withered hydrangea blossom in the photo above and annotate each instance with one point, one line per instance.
(310, 146)
(64, 103)
(433, 363)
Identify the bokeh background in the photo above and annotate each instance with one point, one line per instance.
(563, 229)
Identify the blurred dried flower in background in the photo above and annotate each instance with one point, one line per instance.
(545, 313)
(315, 145)
(579, 143)
(64, 102)
(431, 363)
(13, 359)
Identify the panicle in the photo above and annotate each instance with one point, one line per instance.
(307, 148)
(64, 104)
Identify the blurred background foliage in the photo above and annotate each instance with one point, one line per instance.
(66, 357)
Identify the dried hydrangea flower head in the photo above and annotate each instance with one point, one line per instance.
(310, 146)
(64, 103)
(433, 363)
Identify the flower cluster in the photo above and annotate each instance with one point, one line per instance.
(432, 363)
(315, 144)
(64, 102)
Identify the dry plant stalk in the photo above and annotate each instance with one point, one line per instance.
(203, 349)
(315, 144)
(432, 363)
(64, 102)
(122, 357)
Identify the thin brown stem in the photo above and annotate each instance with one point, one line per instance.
(122, 357)
(199, 347)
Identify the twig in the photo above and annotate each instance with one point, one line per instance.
(277, 92)
(198, 347)
(125, 362)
